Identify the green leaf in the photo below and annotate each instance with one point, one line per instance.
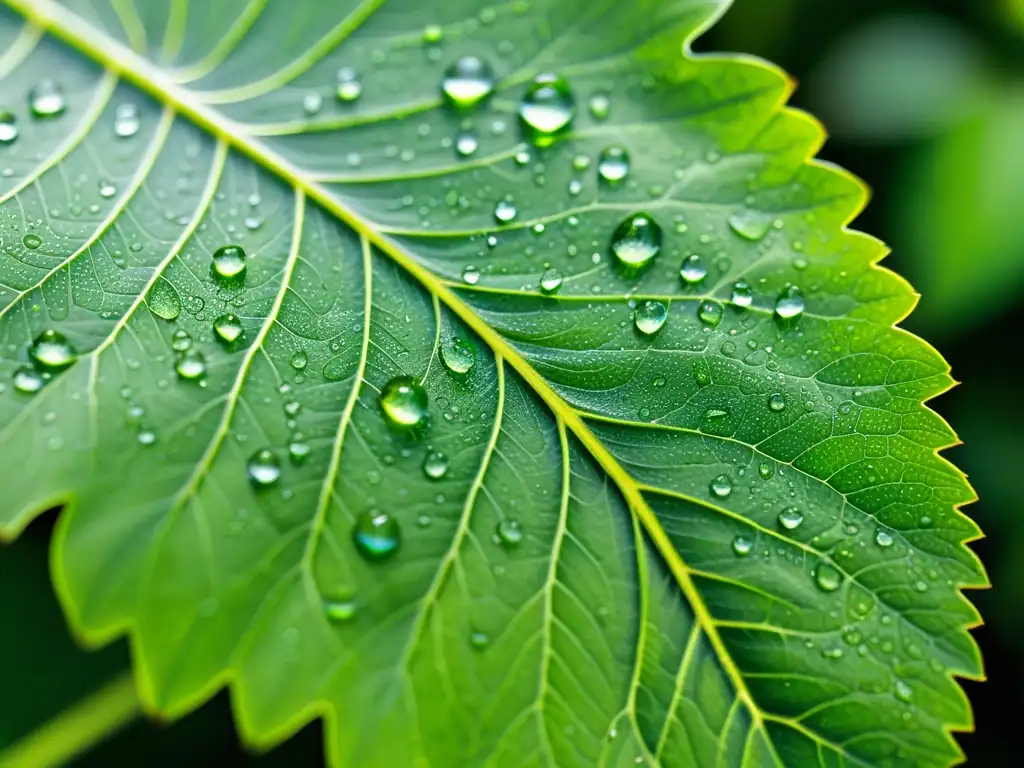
(587, 551)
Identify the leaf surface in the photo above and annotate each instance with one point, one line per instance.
(727, 542)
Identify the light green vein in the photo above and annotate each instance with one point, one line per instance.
(174, 34)
(301, 127)
(225, 45)
(128, 15)
(425, 173)
(20, 49)
(677, 694)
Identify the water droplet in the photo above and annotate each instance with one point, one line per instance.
(435, 465)
(693, 269)
(376, 535)
(790, 303)
(51, 352)
(28, 381)
(750, 225)
(107, 190)
(701, 372)
(883, 538)
(742, 546)
(599, 105)
(228, 328)
(637, 241)
(766, 471)
(721, 486)
(547, 107)
(790, 518)
(466, 144)
(827, 578)
(777, 401)
(504, 212)
(404, 402)
(8, 127)
(340, 610)
(458, 355)
(163, 300)
(299, 361)
(229, 262)
(550, 281)
(742, 294)
(433, 34)
(298, 451)
(903, 692)
(613, 164)
(348, 88)
(471, 275)
(710, 313)
(312, 103)
(180, 340)
(47, 99)
(580, 162)
(479, 640)
(146, 437)
(650, 316)
(467, 82)
(126, 121)
(191, 365)
(31, 241)
(263, 468)
(509, 533)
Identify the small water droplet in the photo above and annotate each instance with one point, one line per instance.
(721, 486)
(146, 437)
(613, 164)
(458, 354)
(547, 107)
(433, 34)
(347, 88)
(777, 402)
(701, 372)
(693, 269)
(466, 144)
(28, 381)
(341, 610)
(229, 262)
(31, 241)
(790, 518)
(312, 103)
(550, 281)
(107, 190)
(180, 340)
(471, 275)
(467, 82)
(790, 303)
(650, 316)
(163, 300)
(376, 535)
(827, 578)
(8, 127)
(299, 361)
(51, 352)
(509, 533)
(765, 470)
(298, 451)
(580, 162)
(750, 225)
(883, 538)
(435, 465)
(636, 241)
(263, 468)
(191, 365)
(599, 105)
(479, 640)
(504, 212)
(47, 99)
(404, 402)
(742, 294)
(228, 328)
(742, 546)
(126, 121)
(710, 313)
(903, 692)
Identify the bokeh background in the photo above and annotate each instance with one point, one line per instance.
(924, 99)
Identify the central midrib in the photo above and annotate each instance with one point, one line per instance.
(84, 37)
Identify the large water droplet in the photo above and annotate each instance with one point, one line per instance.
(693, 269)
(791, 518)
(509, 533)
(613, 164)
(404, 402)
(721, 486)
(550, 281)
(435, 465)
(31, 241)
(228, 328)
(28, 381)
(742, 294)
(504, 212)
(827, 578)
(710, 313)
(348, 87)
(47, 99)
(229, 262)
(191, 365)
(299, 361)
(790, 303)
(126, 121)
(467, 82)
(457, 354)
(8, 127)
(650, 317)
(777, 401)
(637, 241)
(51, 352)
(376, 535)
(547, 107)
(163, 300)
(742, 546)
(263, 468)
(750, 225)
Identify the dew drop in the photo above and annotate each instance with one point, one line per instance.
(51, 352)
(347, 88)
(180, 340)
(8, 127)
(636, 241)
(466, 144)
(650, 317)
(710, 313)
(777, 402)
(827, 578)
(470, 275)
(790, 518)
(547, 107)
(435, 465)
(721, 486)
(504, 212)
(701, 372)
(340, 610)
(693, 270)
(146, 437)
(599, 105)
(263, 468)
(458, 355)
(479, 640)
(509, 533)
(883, 538)
(298, 451)
(229, 262)
(550, 281)
(750, 225)
(903, 692)
(467, 82)
(742, 546)
(228, 328)
(47, 99)
(433, 34)
(376, 535)
(312, 103)
(765, 471)
(126, 121)
(299, 361)
(613, 164)
(191, 365)
(31, 241)
(790, 303)
(404, 402)
(28, 381)
(163, 300)
(742, 294)
(107, 190)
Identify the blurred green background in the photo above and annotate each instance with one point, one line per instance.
(924, 99)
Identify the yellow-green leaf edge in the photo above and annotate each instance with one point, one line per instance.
(49, 18)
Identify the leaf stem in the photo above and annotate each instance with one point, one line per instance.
(78, 728)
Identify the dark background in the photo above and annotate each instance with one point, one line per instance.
(924, 99)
